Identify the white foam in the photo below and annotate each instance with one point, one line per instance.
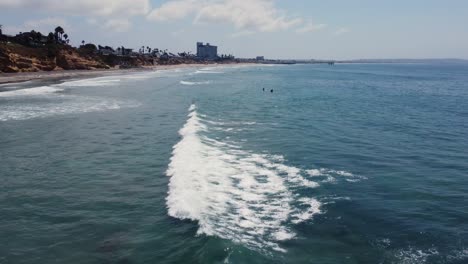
(208, 72)
(332, 175)
(67, 105)
(192, 108)
(111, 80)
(458, 255)
(194, 83)
(140, 76)
(416, 256)
(31, 91)
(230, 123)
(313, 208)
(232, 193)
(92, 82)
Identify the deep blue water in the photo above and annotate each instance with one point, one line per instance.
(340, 164)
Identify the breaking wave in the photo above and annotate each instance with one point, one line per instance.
(194, 83)
(202, 71)
(52, 103)
(71, 105)
(93, 82)
(30, 91)
(235, 194)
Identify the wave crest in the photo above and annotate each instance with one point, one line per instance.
(42, 90)
(194, 83)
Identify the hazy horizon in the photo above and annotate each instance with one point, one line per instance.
(337, 30)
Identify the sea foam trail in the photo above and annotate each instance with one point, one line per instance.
(73, 105)
(92, 82)
(234, 194)
(194, 83)
(30, 91)
(203, 71)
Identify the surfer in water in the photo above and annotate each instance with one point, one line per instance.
(271, 90)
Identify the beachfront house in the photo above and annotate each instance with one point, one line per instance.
(121, 51)
(106, 50)
(207, 52)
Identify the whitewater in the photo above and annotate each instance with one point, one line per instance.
(235, 194)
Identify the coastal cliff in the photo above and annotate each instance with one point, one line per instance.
(18, 58)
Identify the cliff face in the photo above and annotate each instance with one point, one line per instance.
(70, 59)
(15, 58)
(18, 58)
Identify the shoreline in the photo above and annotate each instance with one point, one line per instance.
(20, 77)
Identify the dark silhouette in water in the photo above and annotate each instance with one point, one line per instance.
(271, 90)
(112, 250)
(263, 89)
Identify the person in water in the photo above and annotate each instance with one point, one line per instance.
(271, 90)
(263, 88)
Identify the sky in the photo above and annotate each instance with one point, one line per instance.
(276, 29)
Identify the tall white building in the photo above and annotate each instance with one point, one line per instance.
(207, 52)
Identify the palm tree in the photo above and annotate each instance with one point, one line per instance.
(82, 42)
(50, 38)
(59, 32)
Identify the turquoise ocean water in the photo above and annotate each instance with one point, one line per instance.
(340, 164)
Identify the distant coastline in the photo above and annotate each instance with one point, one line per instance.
(438, 61)
(34, 54)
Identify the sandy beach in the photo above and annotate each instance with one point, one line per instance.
(6, 78)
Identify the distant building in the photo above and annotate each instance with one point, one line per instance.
(207, 51)
(106, 50)
(260, 58)
(123, 51)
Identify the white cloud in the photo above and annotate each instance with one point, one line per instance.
(310, 27)
(84, 7)
(242, 33)
(118, 25)
(12, 3)
(44, 26)
(110, 14)
(244, 15)
(50, 23)
(178, 33)
(341, 31)
(92, 21)
(175, 10)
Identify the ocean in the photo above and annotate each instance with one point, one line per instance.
(352, 163)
